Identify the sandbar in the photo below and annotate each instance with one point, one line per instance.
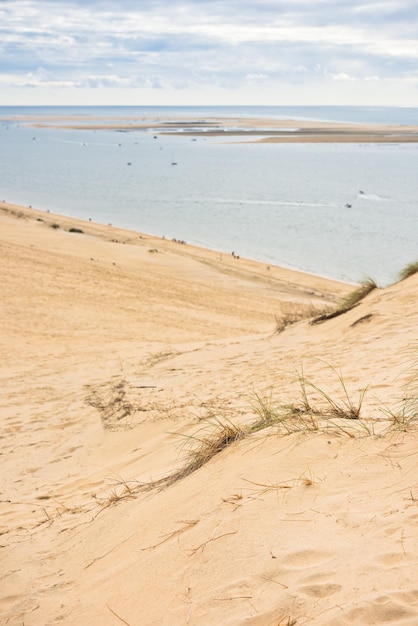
(242, 129)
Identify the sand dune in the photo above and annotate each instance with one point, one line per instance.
(121, 353)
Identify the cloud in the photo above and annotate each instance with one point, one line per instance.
(342, 76)
(173, 44)
(42, 77)
(257, 76)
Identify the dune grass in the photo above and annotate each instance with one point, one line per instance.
(293, 312)
(219, 432)
(344, 407)
(404, 414)
(350, 301)
(216, 435)
(315, 411)
(408, 270)
(340, 414)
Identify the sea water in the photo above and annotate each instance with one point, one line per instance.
(346, 211)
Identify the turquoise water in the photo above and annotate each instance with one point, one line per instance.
(277, 203)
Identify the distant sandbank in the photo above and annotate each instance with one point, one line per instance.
(251, 129)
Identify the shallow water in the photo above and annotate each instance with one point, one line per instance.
(277, 203)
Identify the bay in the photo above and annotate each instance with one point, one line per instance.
(282, 204)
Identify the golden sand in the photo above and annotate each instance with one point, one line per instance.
(119, 352)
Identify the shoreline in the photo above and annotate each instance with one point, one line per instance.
(207, 196)
(116, 234)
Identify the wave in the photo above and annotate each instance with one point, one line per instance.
(86, 143)
(370, 196)
(250, 202)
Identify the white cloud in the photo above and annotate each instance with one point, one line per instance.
(257, 76)
(37, 80)
(172, 44)
(341, 76)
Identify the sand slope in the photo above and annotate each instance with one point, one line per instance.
(115, 348)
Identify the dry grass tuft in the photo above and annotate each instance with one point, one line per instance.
(223, 433)
(353, 298)
(303, 417)
(409, 270)
(293, 312)
(349, 301)
(217, 431)
(344, 408)
(123, 491)
(287, 418)
(203, 448)
(404, 415)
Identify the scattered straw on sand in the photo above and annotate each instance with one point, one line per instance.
(169, 457)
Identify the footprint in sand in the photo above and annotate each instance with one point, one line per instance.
(305, 558)
(400, 607)
(316, 584)
(320, 591)
(390, 558)
(319, 585)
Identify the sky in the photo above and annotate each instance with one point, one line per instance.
(209, 52)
